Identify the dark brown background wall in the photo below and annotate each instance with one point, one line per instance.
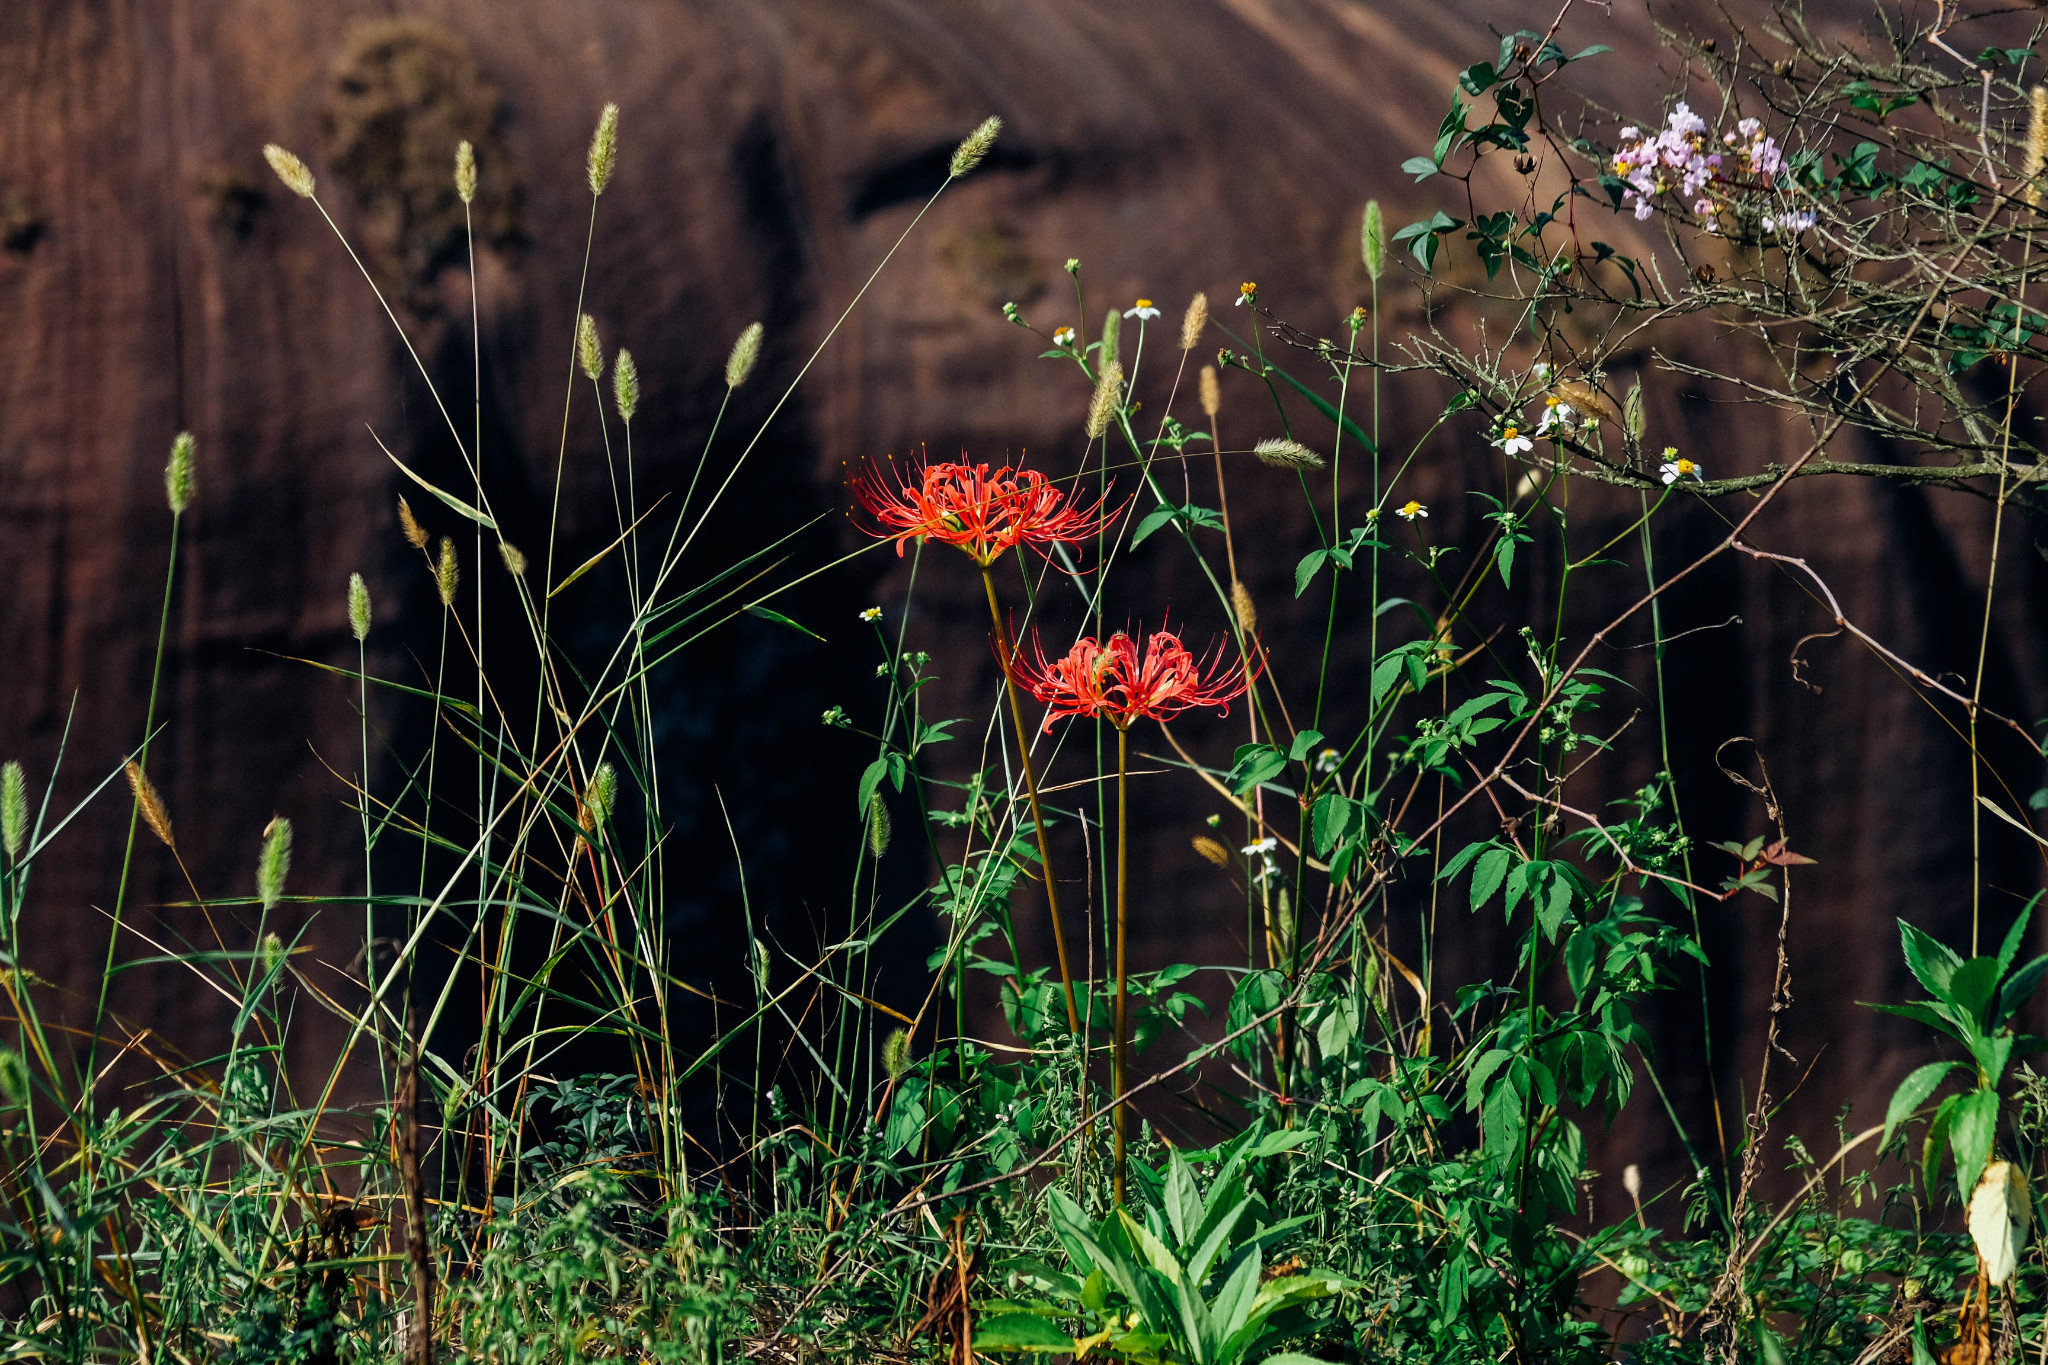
(155, 277)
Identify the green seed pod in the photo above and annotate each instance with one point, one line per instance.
(1372, 241)
(878, 825)
(604, 149)
(446, 574)
(289, 169)
(178, 478)
(588, 353)
(974, 147)
(745, 352)
(13, 809)
(1112, 327)
(896, 1054)
(465, 172)
(625, 384)
(274, 861)
(358, 607)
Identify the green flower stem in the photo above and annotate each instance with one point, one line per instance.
(1119, 1059)
(1052, 895)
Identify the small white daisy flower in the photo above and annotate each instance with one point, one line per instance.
(1247, 292)
(871, 614)
(1512, 441)
(1328, 761)
(1558, 416)
(1410, 510)
(1064, 336)
(1261, 848)
(1680, 468)
(1142, 311)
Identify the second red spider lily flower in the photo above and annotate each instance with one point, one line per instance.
(982, 511)
(1122, 683)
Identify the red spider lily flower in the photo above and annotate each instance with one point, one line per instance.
(982, 512)
(1119, 683)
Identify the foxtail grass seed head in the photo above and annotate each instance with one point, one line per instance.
(626, 384)
(1112, 330)
(745, 351)
(1241, 607)
(1633, 420)
(274, 861)
(13, 809)
(1283, 453)
(588, 353)
(1372, 241)
(601, 795)
(465, 171)
(974, 147)
(1193, 321)
(178, 478)
(1212, 391)
(515, 561)
(271, 954)
(1212, 850)
(415, 534)
(289, 169)
(446, 573)
(1109, 393)
(896, 1054)
(358, 607)
(1632, 1180)
(150, 803)
(14, 1084)
(604, 149)
(879, 827)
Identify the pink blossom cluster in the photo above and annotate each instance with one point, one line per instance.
(1680, 158)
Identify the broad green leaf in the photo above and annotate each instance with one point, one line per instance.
(1488, 873)
(1183, 1201)
(1911, 1094)
(1931, 962)
(1255, 764)
(1970, 1135)
(1022, 1332)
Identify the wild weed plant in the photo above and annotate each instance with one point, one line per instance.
(1395, 1163)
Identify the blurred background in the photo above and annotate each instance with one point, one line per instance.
(156, 277)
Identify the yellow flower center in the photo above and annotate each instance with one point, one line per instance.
(1686, 466)
(1411, 507)
(1510, 433)
(1144, 303)
(1550, 401)
(1247, 288)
